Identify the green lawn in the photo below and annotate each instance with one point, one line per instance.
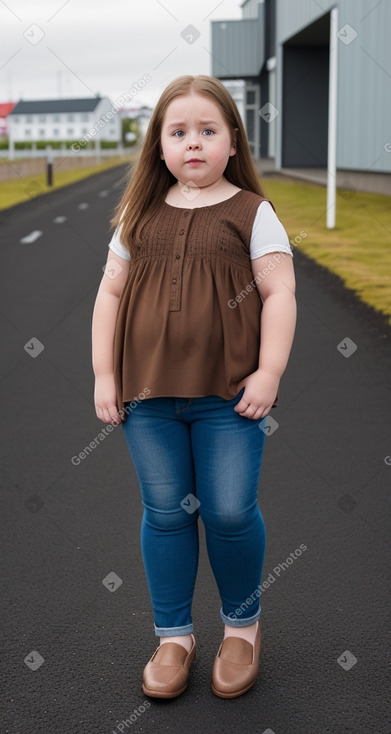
(358, 249)
(19, 190)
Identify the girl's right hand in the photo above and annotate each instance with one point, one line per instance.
(105, 399)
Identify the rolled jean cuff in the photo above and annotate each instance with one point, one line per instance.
(235, 621)
(173, 631)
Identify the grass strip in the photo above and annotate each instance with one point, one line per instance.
(358, 249)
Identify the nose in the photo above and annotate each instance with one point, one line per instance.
(193, 144)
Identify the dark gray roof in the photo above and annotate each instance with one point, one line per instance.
(41, 106)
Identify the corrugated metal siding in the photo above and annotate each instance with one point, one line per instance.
(250, 9)
(293, 15)
(364, 76)
(238, 48)
(364, 84)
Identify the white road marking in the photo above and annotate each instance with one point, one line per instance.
(83, 206)
(103, 193)
(59, 220)
(31, 237)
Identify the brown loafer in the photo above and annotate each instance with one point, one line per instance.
(166, 675)
(236, 666)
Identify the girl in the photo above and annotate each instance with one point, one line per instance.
(199, 268)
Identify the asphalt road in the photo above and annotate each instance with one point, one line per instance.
(75, 637)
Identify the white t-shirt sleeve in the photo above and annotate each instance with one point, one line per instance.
(268, 234)
(117, 247)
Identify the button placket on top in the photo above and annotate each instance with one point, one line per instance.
(178, 257)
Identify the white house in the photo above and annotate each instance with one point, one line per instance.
(84, 119)
(141, 114)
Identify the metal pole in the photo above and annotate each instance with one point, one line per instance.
(332, 128)
(11, 145)
(49, 166)
(97, 150)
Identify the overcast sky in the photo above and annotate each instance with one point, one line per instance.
(77, 48)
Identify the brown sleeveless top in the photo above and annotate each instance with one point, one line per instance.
(179, 332)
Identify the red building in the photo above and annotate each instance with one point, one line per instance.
(5, 109)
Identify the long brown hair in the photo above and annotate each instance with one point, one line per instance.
(150, 179)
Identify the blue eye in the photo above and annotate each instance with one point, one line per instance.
(178, 133)
(208, 130)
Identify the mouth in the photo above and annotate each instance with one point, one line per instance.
(194, 160)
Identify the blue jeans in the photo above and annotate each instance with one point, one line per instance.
(197, 456)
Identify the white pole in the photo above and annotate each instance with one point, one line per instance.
(11, 146)
(98, 159)
(332, 130)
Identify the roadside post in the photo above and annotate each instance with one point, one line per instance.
(49, 171)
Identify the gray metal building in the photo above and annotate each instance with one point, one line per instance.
(283, 50)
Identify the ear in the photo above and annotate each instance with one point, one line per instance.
(161, 154)
(233, 142)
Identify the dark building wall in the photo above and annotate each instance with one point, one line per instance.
(264, 127)
(270, 28)
(305, 106)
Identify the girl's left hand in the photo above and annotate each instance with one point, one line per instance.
(260, 390)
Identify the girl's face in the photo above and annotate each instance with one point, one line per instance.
(196, 141)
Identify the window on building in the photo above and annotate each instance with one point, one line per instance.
(16, 119)
(42, 118)
(27, 132)
(41, 132)
(70, 131)
(84, 130)
(250, 96)
(56, 132)
(29, 118)
(56, 118)
(70, 118)
(84, 117)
